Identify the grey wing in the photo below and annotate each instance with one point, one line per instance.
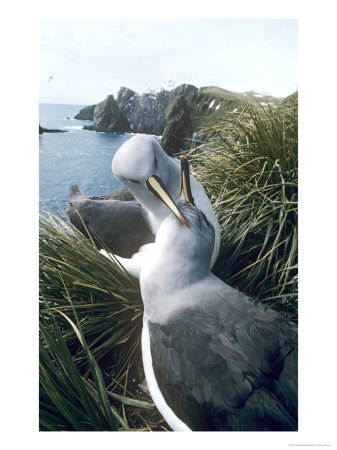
(120, 225)
(222, 375)
(122, 194)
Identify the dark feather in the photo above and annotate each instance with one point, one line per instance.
(120, 224)
(230, 367)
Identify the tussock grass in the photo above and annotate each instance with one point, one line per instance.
(248, 166)
(90, 326)
(91, 309)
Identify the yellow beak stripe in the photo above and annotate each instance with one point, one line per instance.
(166, 198)
(185, 180)
(185, 189)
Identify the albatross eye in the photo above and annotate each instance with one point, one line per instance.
(132, 181)
(155, 159)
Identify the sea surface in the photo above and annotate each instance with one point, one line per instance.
(76, 157)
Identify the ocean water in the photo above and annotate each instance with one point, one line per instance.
(77, 157)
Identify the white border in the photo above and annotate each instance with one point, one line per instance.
(19, 119)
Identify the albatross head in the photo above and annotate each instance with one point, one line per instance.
(140, 158)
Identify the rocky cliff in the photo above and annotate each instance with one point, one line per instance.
(178, 115)
(146, 113)
(86, 113)
(108, 117)
(187, 116)
(179, 127)
(130, 111)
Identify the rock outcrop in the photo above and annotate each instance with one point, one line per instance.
(179, 130)
(144, 113)
(87, 113)
(177, 115)
(108, 117)
(186, 116)
(50, 130)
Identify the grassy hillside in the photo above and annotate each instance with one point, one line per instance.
(214, 103)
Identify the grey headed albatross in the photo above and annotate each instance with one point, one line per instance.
(214, 359)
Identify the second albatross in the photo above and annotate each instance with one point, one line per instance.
(213, 358)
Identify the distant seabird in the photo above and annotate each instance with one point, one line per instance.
(213, 358)
(141, 158)
(116, 220)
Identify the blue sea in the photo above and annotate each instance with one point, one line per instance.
(77, 157)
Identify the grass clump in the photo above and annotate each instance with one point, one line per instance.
(248, 166)
(90, 328)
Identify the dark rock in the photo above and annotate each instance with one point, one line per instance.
(125, 98)
(146, 113)
(193, 111)
(86, 113)
(177, 115)
(49, 130)
(179, 131)
(108, 117)
(187, 90)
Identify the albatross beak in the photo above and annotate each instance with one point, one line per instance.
(156, 185)
(185, 184)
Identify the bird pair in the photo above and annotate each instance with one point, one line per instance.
(214, 359)
(127, 220)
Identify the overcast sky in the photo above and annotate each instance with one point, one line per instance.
(89, 59)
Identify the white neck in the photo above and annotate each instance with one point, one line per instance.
(166, 275)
